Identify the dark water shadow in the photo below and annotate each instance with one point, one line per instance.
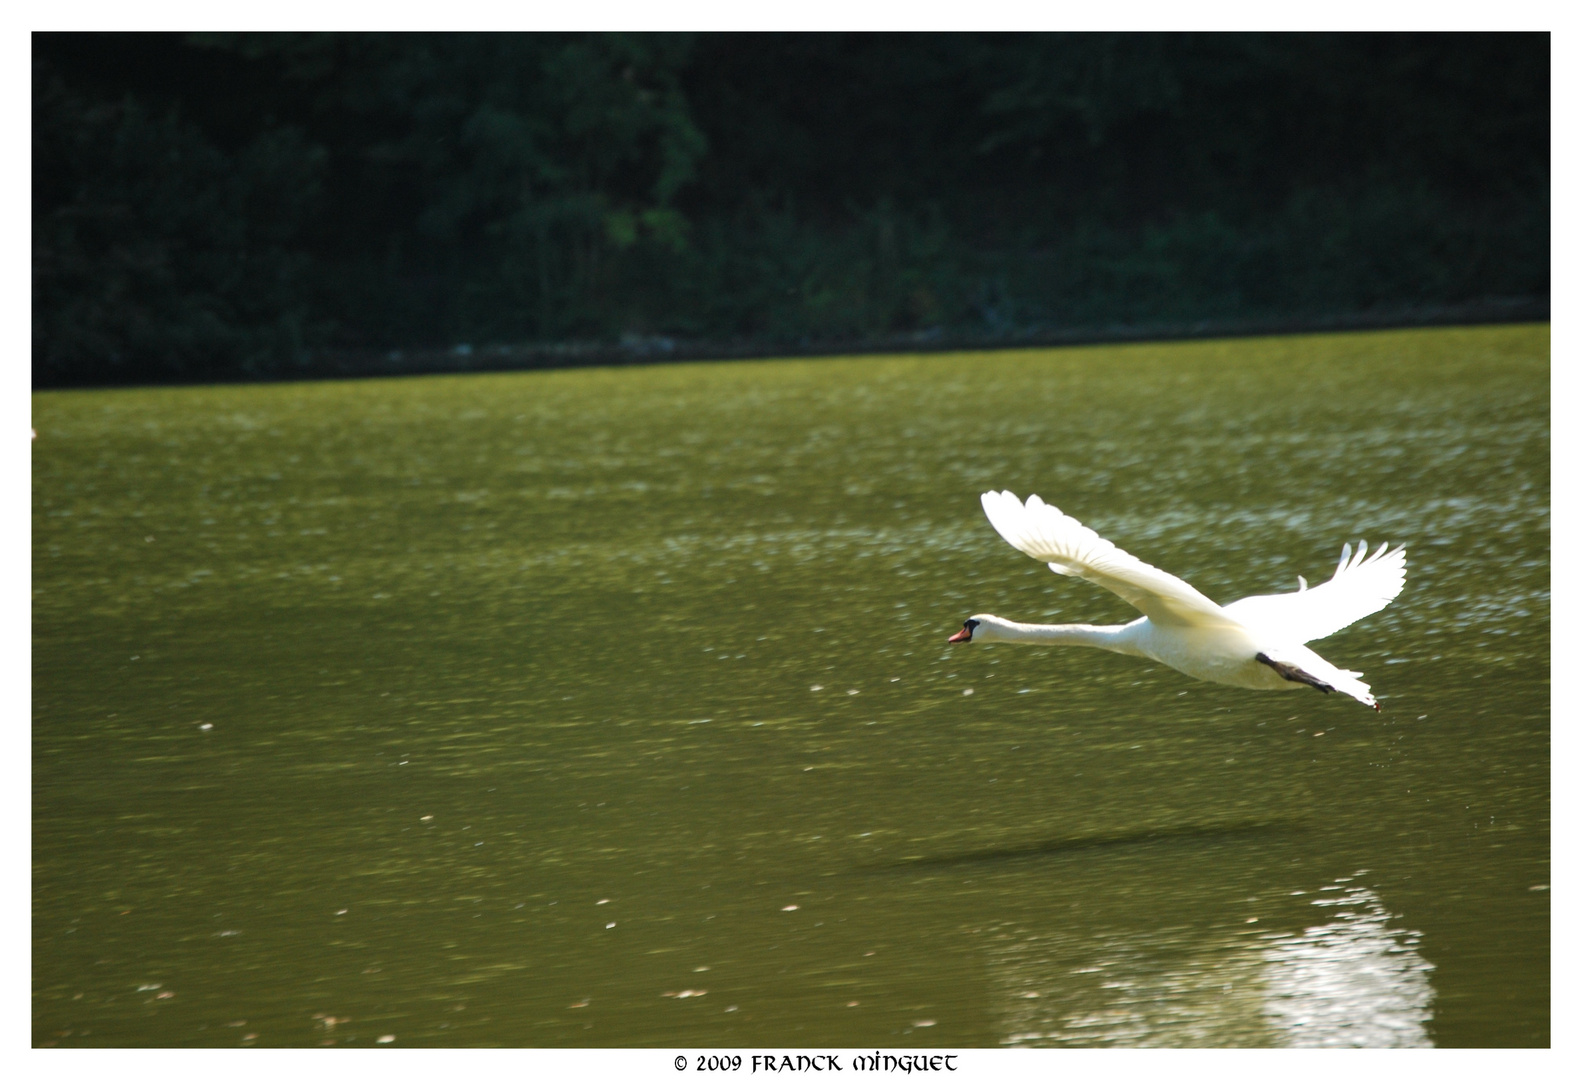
(1180, 836)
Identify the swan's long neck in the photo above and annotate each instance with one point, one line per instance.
(1114, 638)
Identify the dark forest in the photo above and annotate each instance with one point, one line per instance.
(236, 206)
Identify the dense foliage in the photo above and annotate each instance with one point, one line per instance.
(247, 205)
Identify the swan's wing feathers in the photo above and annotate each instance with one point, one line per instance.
(1070, 547)
(1362, 585)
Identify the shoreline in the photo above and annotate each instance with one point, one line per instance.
(343, 364)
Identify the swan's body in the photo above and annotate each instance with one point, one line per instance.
(1258, 642)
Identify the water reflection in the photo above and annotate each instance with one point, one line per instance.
(1353, 981)
(1348, 980)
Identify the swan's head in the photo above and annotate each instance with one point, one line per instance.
(984, 628)
(979, 628)
(965, 633)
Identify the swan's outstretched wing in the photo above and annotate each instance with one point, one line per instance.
(1362, 584)
(1070, 547)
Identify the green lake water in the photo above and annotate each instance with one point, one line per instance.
(614, 707)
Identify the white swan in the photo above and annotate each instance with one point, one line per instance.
(1257, 642)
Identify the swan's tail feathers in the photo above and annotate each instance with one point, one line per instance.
(1302, 665)
(1352, 686)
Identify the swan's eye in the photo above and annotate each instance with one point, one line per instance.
(971, 624)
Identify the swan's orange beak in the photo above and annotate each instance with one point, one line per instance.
(964, 634)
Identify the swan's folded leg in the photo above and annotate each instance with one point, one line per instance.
(1292, 673)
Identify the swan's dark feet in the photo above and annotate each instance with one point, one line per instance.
(1292, 673)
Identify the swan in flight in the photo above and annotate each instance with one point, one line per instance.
(1258, 642)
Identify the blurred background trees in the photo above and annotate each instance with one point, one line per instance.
(224, 206)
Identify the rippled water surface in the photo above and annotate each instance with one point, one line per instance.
(614, 707)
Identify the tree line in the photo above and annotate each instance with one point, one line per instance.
(264, 205)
